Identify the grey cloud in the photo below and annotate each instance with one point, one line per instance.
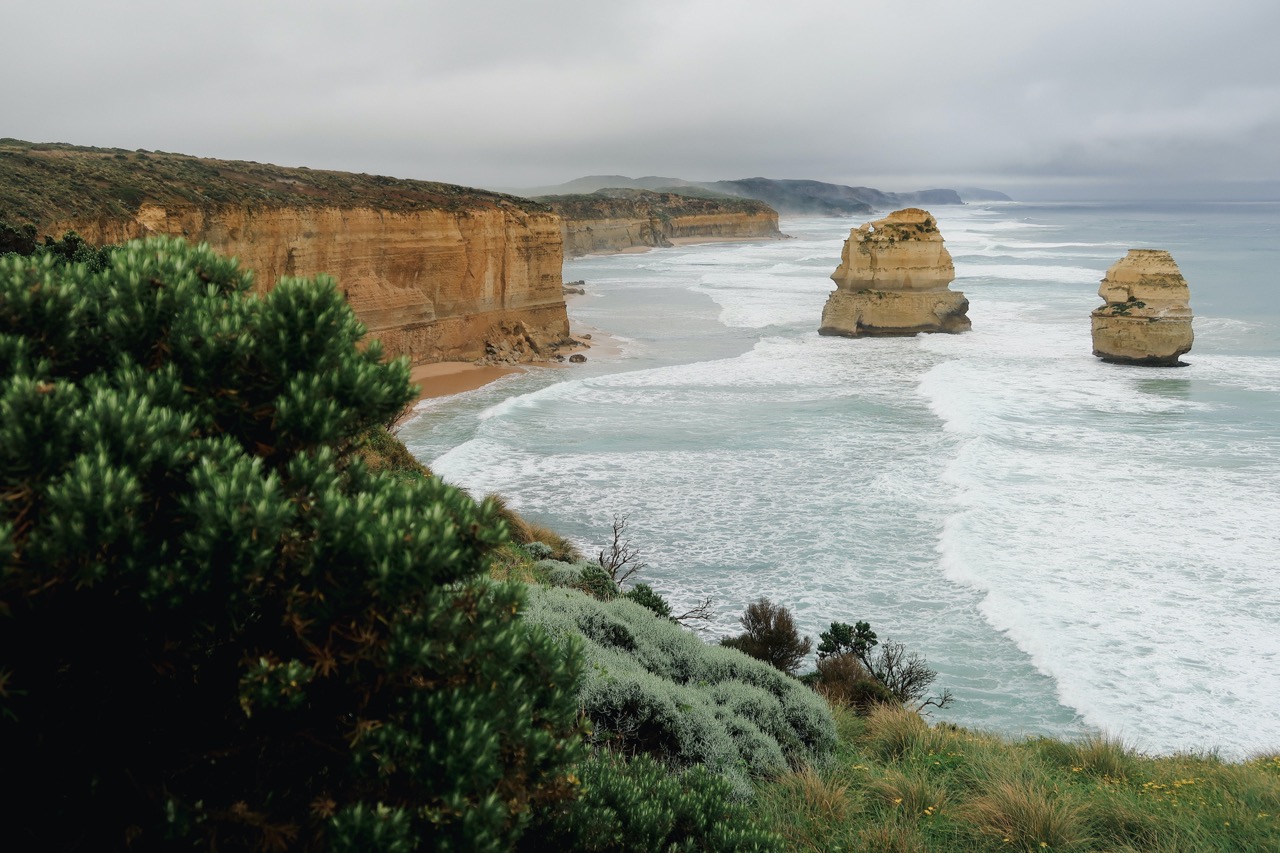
(504, 93)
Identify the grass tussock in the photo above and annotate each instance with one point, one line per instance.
(1028, 817)
(523, 532)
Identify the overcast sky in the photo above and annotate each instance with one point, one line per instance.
(1043, 98)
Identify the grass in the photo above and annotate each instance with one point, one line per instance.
(898, 784)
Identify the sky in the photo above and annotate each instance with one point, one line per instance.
(1038, 98)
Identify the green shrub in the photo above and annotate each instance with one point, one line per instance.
(644, 595)
(771, 636)
(638, 806)
(218, 626)
(649, 686)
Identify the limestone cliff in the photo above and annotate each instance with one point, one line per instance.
(613, 220)
(1147, 316)
(892, 280)
(435, 271)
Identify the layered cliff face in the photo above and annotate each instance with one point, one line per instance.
(1147, 316)
(436, 272)
(892, 280)
(616, 220)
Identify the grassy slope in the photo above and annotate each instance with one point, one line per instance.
(898, 785)
(42, 183)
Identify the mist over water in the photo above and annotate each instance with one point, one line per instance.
(1073, 545)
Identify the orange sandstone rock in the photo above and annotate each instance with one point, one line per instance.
(1147, 316)
(892, 280)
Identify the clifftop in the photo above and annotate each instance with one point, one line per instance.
(46, 183)
(614, 220)
(619, 202)
(786, 196)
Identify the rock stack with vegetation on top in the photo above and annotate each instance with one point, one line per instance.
(1147, 316)
(892, 280)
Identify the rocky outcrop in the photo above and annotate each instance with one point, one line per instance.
(437, 272)
(1147, 316)
(614, 220)
(892, 280)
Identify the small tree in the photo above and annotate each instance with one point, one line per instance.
(843, 638)
(771, 636)
(905, 675)
(218, 627)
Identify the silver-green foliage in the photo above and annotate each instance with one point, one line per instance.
(650, 686)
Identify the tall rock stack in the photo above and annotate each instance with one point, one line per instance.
(892, 280)
(1147, 318)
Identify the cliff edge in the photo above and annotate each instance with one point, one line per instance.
(893, 280)
(1147, 316)
(436, 271)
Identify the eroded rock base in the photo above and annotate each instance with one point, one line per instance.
(880, 313)
(1146, 341)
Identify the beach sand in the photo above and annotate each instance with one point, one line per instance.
(453, 377)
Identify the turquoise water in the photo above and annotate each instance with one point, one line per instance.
(1073, 545)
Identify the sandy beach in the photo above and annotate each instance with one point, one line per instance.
(453, 377)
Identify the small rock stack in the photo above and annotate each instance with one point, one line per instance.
(1147, 318)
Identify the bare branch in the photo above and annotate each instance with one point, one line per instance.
(701, 613)
(621, 559)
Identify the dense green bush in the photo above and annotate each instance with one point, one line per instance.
(637, 806)
(649, 686)
(644, 595)
(218, 627)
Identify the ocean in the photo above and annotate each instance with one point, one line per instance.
(1074, 546)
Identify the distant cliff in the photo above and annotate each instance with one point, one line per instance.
(435, 271)
(612, 220)
(785, 196)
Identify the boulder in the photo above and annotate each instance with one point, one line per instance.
(893, 280)
(1147, 316)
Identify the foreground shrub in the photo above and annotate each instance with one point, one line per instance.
(638, 806)
(648, 686)
(771, 636)
(218, 627)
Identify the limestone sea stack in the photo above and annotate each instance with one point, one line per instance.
(892, 280)
(1147, 318)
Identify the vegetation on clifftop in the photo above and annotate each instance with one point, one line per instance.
(45, 183)
(644, 204)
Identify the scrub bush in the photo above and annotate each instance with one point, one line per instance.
(637, 806)
(218, 627)
(771, 636)
(651, 687)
